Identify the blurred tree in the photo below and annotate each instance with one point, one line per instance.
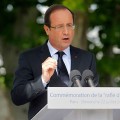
(102, 17)
(19, 30)
(106, 16)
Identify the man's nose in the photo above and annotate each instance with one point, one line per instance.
(65, 30)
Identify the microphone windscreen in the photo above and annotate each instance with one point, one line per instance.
(74, 74)
(87, 74)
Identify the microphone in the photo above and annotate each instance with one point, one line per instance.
(75, 77)
(88, 76)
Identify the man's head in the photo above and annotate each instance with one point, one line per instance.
(59, 26)
(53, 8)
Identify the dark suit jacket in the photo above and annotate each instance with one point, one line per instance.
(28, 85)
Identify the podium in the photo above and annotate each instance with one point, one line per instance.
(70, 114)
(54, 111)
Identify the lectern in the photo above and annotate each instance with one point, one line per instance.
(70, 114)
(99, 104)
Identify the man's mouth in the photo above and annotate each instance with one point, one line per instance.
(65, 38)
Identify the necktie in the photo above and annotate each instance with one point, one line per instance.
(62, 71)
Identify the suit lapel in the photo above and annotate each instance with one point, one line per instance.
(74, 58)
(45, 52)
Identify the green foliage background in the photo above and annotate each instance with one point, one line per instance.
(107, 16)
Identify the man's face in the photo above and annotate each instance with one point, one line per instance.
(61, 32)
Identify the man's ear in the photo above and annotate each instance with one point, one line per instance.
(46, 28)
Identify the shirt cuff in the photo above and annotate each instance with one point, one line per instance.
(44, 83)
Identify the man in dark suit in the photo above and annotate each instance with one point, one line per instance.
(37, 68)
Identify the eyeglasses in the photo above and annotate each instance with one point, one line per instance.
(62, 27)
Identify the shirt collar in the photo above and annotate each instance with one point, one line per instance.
(53, 50)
